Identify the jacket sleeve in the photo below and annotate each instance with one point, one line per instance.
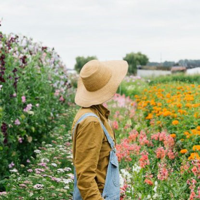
(89, 136)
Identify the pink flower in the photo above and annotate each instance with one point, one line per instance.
(192, 195)
(28, 161)
(144, 160)
(133, 135)
(155, 136)
(28, 108)
(57, 92)
(171, 154)
(17, 122)
(14, 95)
(30, 170)
(11, 165)
(3, 193)
(168, 142)
(160, 152)
(148, 181)
(116, 114)
(42, 164)
(199, 192)
(162, 136)
(20, 140)
(115, 125)
(37, 105)
(23, 99)
(163, 173)
(143, 138)
(62, 99)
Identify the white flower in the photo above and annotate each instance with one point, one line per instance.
(66, 181)
(67, 169)
(71, 175)
(126, 174)
(37, 151)
(44, 160)
(121, 180)
(49, 145)
(60, 170)
(14, 170)
(54, 164)
(30, 112)
(66, 187)
(156, 185)
(136, 168)
(1, 86)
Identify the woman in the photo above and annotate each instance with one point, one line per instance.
(96, 172)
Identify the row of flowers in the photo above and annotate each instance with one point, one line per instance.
(48, 176)
(158, 154)
(34, 90)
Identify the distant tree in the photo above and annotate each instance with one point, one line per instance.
(168, 63)
(81, 61)
(135, 59)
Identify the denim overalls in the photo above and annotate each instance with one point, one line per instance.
(111, 189)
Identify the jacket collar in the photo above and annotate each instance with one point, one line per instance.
(103, 110)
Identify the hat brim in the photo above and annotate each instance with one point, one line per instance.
(85, 98)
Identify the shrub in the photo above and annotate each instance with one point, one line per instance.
(33, 92)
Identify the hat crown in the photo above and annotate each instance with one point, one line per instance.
(95, 75)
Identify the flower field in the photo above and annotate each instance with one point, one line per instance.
(157, 128)
(159, 142)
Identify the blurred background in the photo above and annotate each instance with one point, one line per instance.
(166, 31)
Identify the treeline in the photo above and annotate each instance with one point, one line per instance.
(133, 59)
(186, 63)
(141, 61)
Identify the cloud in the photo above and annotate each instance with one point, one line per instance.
(108, 28)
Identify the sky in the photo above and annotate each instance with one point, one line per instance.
(109, 29)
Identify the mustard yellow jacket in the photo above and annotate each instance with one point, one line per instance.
(91, 152)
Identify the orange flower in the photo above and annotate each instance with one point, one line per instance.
(175, 122)
(183, 151)
(150, 116)
(186, 133)
(166, 113)
(194, 156)
(173, 135)
(196, 148)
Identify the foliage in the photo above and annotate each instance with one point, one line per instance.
(49, 175)
(135, 59)
(158, 142)
(33, 92)
(131, 86)
(176, 78)
(81, 61)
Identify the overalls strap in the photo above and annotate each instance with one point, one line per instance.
(110, 140)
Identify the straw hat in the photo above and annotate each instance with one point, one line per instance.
(98, 81)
